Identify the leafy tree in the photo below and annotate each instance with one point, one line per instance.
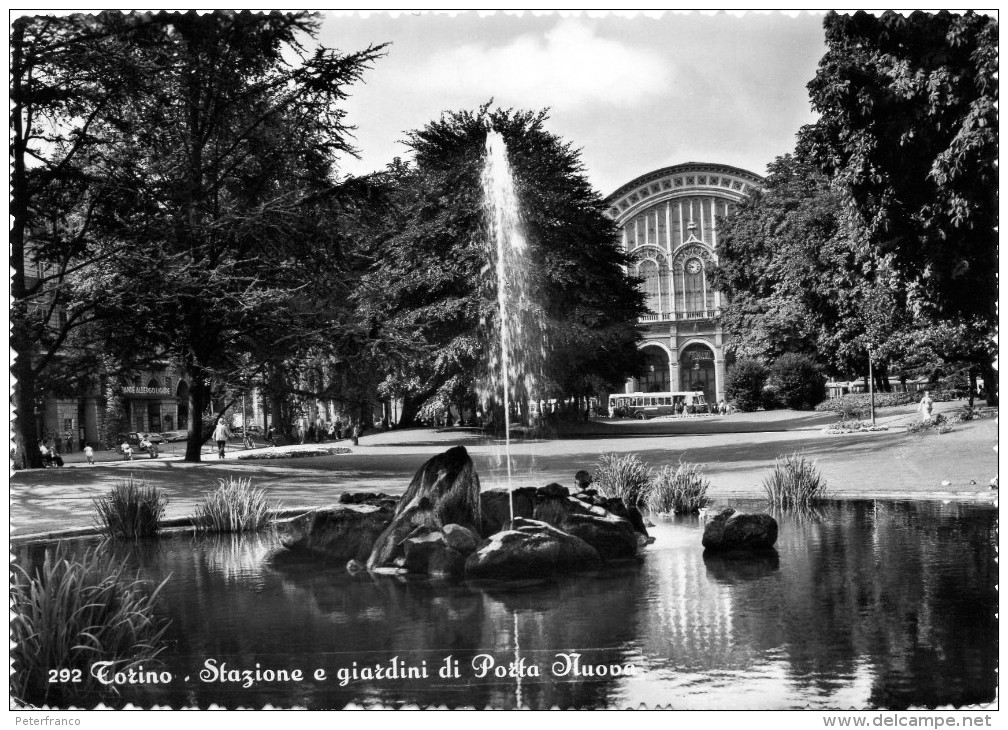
(224, 171)
(908, 130)
(797, 381)
(744, 383)
(68, 74)
(429, 291)
(799, 280)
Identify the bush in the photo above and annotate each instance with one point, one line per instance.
(937, 423)
(299, 454)
(858, 405)
(678, 490)
(744, 383)
(798, 381)
(233, 507)
(131, 510)
(626, 477)
(794, 482)
(72, 613)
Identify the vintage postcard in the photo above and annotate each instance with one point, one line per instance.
(507, 360)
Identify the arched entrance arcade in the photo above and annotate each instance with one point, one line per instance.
(656, 377)
(697, 370)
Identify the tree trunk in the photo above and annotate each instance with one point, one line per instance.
(411, 407)
(199, 396)
(882, 378)
(990, 383)
(26, 434)
(27, 453)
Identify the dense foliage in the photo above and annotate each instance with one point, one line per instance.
(429, 291)
(908, 133)
(797, 381)
(744, 381)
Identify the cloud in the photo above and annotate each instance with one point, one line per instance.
(568, 66)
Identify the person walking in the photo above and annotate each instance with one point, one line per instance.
(926, 405)
(89, 453)
(221, 435)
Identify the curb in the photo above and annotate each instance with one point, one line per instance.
(169, 526)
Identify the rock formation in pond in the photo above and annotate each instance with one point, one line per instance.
(731, 530)
(610, 534)
(615, 531)
(445, 490)
(495, 509)
(531, 549)
(342, 532)
(440, 553)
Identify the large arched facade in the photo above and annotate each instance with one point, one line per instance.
(668, 222)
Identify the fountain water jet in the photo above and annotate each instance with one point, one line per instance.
(517, 318)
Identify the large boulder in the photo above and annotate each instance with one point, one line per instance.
(495, 508)
(341, 532)
(613, 537)
(611, 534)
(439, 552)
(419, 546)
(444, 490)
(460, 538)
(632, 514)
(731, 530)
(530, 549)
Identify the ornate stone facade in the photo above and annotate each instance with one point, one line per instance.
(668, 222)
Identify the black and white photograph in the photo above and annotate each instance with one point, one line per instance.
(504, 360)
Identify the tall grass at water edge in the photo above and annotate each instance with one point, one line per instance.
(73, 612)
(624, 476)
(794, 482)
(132, 509)
(233, 507)
(680, 489)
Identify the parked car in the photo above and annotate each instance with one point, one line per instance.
(133, 438)
(175, 435)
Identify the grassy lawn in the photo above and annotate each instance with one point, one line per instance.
(736, 452)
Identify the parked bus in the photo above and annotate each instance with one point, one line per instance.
(648, 405)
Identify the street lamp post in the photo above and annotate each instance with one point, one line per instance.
(871, 388)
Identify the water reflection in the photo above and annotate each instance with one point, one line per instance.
(868, 604)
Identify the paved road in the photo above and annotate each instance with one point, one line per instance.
(737, 456)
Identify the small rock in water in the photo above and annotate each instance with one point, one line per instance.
(972, 481)
(994, 483)
(732, 530)
(355, 566)
(946, 483)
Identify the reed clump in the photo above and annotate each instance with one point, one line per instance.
(794, 482)
(680, 489)
(132, 509)
(73, 612)
(235, 506)
(624, 476)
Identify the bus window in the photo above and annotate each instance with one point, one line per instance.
(666, 401)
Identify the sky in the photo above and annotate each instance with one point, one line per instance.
(633, 93)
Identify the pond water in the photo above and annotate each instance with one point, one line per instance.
(869, 604)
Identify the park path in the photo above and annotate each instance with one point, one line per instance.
(890, 464)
